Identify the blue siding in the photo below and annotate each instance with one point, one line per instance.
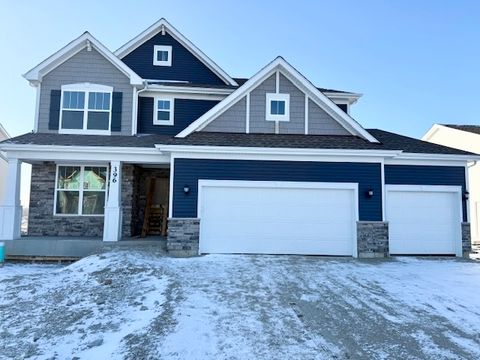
(189, 171)
(427, 175)
(185, 112)
(185, 66)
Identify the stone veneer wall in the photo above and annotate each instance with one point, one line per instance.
(466, 239)
(372, 239)
(42, 222)
(128, 183)
(183, 236)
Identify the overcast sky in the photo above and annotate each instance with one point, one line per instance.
(416, 62)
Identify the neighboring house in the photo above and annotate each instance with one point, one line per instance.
(3, 163)
(270, 164)
(464, 137)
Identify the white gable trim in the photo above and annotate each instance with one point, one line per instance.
(86, 40)
(163, 25)
(279, 64)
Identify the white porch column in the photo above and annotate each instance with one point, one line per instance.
(10, 210)
(112, 228)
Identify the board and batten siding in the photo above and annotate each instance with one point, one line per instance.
(86, 66)
(427, 175)
(185, 111)
(234, 118)
(185, 66)
(189, 171)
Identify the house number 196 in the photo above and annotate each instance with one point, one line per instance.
(114, 174)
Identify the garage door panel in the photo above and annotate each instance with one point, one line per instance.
(423, 221)
(277, 220)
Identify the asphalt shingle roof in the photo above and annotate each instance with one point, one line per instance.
(388, 141)
(469, 128)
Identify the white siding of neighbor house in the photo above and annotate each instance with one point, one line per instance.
(3, 168)
(466, 141)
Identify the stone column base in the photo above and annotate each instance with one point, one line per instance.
(372, 239)
(466, 240)
(183, 237)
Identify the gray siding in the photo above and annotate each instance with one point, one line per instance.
(86, 67)
(258, 124)
(296, 125)
(320, 123)
(232, 120)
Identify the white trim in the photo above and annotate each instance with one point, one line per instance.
(467, 188)
(269, 97)
(382, 175)
(247, 113)
(80, 189)
(38, 87)
(163, 48)
(172, 176)
(432, 131)
(306, 114)
(437, 188)
(163, 25)
(4, 132)
(277, 82)
(65, 53)
(180, 95)
(279, 64)
(284, 185)
(86, 88)
(171, 111)
(134, 111)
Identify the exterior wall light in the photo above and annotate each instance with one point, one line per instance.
(369, 193)
(186, 189)
(466, 195)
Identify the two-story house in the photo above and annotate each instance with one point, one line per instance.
(269, 164)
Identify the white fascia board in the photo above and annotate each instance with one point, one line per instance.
(292, 74)
(276, 151)
(350, 98)
(155, 29)
(36, 74)
(432, 131)
(4, 132)
(84, 153)
(452, 157)
(190, 90)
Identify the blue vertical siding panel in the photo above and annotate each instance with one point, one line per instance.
(185, 111)
(427, 175)
(185, 66)
(189, 171)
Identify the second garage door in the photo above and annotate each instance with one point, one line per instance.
(424, 220)
(277, 217)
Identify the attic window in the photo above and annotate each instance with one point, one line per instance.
(162, 55)
(278, 107)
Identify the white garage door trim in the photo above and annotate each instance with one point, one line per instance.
(457, 190)
(202, 184)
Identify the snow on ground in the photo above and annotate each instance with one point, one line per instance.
(142, 305)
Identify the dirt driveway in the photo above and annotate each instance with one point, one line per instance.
(141, 305)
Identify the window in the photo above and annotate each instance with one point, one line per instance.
(162, 55)
(163, 112)
(86, 108)
(80, 190)
(277, 107)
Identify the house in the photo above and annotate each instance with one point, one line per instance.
(3, 162)
(464, 137)
(269, 164)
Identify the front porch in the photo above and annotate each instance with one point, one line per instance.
(72, 248)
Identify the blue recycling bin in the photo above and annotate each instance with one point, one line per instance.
(2, 253)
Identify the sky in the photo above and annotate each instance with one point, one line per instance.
(415, 62)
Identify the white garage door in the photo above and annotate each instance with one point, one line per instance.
(277, 217)
(424, 220)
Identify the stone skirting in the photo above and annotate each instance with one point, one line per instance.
(183, 237)
(466, 239)
(372, 239)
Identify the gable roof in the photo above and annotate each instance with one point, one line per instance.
(475, 129)
(83, 41)
(279, 64)
(164, 25)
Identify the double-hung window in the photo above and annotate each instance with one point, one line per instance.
(80, 190)
(163, 112)
(86, 108)
(277, 107)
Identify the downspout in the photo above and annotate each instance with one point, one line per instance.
(135, 102)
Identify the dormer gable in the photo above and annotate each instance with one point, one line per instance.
(278, 100)
(161, 52)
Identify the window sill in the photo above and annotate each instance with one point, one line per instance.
(78, 215)
(164, 123)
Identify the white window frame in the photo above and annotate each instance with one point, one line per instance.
(277, 97)
(86, 88)
(170, 121)
(156, 49)
(80, 190)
